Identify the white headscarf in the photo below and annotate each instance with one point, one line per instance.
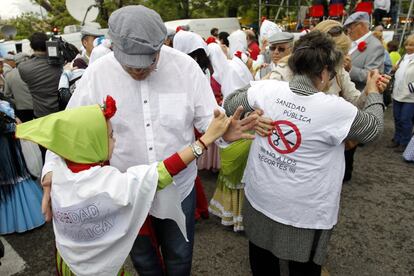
(268, 28)
(237, 42)
(188, 42)
(218, 61)
(237, 76)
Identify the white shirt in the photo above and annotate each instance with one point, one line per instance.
(354, 45)
(402, 78)
(382, 5)
(295, 175)
(156, 116)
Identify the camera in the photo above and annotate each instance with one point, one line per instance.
(59, 51)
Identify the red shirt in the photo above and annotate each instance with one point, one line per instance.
(254, 50)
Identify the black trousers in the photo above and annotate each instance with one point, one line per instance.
(349, 163)
(263, 263)
(378, 15)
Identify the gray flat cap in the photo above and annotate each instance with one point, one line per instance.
(91, 31)
(356, 17)
(137, 34)
(280, 37)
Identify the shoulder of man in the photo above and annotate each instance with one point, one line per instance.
(374, 43)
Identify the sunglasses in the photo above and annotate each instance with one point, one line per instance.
(336, 31)
(280, 49)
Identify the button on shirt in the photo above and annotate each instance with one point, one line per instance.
(155, 117)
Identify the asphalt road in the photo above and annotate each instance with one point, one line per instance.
(374, 235)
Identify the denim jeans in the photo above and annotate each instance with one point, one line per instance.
(176, 252)
(403, 120)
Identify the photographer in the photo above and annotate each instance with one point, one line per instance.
(41, 77)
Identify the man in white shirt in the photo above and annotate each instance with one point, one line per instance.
(161, 95)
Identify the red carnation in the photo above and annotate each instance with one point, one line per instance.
(238, 54)
(109, 107)
(362, 46)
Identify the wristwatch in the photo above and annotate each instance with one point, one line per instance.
(197, 150)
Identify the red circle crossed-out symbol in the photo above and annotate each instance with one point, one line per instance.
(292, 130)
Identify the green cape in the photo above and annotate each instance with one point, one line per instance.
(78, 134)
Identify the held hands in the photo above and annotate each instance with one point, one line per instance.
(217, 128)
(46, 204)
(383, 82)
(264, 124)
(372, 80)
(237, 129)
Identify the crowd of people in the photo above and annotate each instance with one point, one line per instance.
(115, 138)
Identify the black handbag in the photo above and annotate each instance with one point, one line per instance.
(65, 93)
(63, 97)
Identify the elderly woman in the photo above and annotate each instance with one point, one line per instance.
(341, 84)
(293, 176)
(403, 98)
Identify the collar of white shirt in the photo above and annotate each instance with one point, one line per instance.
(356, 42)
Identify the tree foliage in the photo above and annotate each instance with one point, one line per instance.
(26, 24)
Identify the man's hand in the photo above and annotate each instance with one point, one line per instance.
(237, 128)
(264, 124)
(46, 203)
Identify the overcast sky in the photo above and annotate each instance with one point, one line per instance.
(13, 8)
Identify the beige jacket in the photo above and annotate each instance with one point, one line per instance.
(341, 86)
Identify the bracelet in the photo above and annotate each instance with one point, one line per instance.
(204, 145)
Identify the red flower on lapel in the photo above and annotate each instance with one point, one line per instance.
(109, 107)
(362, 46)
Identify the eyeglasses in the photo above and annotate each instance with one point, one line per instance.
(351, 27)
(336, 31)
(280, 49)
(149, 68)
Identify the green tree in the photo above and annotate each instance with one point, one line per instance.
(58, 15)
(26, 24)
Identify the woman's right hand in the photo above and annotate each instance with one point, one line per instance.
(217, 127)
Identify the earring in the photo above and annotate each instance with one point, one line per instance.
(322, 81)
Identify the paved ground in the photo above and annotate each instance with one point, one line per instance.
(374, 235)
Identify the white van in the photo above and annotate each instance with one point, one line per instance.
(15, 46)
(203, 26)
